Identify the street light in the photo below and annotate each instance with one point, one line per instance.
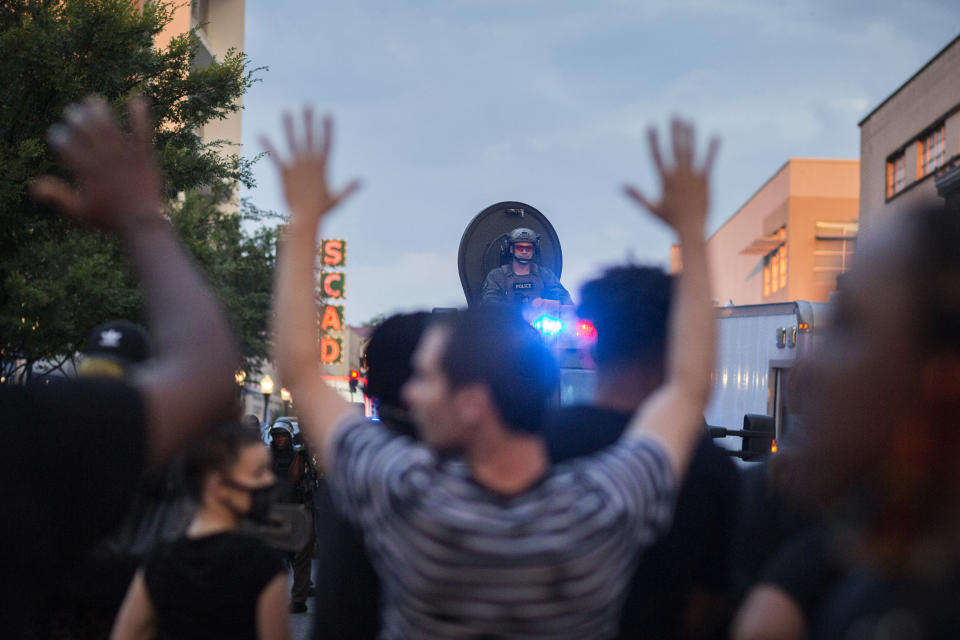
(286, 397)
(240, 376)
(266, 388)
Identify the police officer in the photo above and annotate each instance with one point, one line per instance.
(523, 281)
(292, 469)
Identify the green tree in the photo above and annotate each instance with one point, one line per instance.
(57, 281)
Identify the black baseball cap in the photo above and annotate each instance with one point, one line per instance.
(118, 340)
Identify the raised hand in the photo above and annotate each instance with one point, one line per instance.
(305, 175)
(685, 186)
(118, 181)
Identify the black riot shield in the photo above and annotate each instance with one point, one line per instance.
(483, 246)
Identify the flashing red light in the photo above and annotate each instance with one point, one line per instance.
(354, 374)
(585, 329)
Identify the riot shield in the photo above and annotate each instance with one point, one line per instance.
(484, 247)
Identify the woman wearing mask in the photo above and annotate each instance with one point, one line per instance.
(214, 582)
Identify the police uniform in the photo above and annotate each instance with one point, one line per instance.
(503, 285)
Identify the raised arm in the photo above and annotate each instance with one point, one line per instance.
(294, 308)
(673, 414)
(188, 386)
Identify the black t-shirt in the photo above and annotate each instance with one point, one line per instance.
(347, 604)
(806, 567)
(71, 456)
(208, 587)
(695, 553)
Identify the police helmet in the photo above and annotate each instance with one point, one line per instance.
(523, 234)
(282, 425)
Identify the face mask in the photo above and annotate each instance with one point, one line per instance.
(261, 500)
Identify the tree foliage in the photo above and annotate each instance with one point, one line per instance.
(58, 281)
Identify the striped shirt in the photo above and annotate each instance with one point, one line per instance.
(457, 560)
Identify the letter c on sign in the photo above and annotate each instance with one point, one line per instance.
(333, 285)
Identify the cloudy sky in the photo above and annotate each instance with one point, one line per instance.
(444, 107)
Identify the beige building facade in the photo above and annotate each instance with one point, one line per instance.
(791, 239)
(910, 143)
(220, 27)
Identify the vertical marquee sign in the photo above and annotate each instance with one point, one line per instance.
(331, 288)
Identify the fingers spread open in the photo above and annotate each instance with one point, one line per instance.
(711, 155)
(327, 141)
(140, 126)
(291, 135)
(654, 141)
(346, 192)
(99, 124)
(56, 193)
(271, 151)
(308, 127)
(640, 199)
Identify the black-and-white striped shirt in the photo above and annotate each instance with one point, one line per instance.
(459, 561)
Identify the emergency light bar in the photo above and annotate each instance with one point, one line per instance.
(548, 325)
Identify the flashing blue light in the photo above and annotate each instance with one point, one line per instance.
(548, 325)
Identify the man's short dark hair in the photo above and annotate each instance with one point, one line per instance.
(494, 346)
(216, 451)
(389, 354)
(629, 306)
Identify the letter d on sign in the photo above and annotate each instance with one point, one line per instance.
(330, 350)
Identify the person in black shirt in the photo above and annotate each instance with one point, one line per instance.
(348, 590)
(881, 416)
(96, 437)
(679, 587)
(214, 582)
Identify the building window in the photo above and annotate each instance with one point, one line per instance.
(775, 263)
(833, 251)
(896, 170)
(930, 152)
(782, 259)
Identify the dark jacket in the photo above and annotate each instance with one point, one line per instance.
(503, 285)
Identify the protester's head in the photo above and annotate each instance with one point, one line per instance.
(112, 348)
(482, 364)
(883, 405)
(229, 468)
(629, 306)
(388, 362)
(251, 421)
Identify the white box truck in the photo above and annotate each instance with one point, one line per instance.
(757, 345)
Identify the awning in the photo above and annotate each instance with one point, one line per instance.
(764, 244)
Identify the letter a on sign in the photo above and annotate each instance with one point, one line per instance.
(332, 284)
(330, 350)
(332, 319)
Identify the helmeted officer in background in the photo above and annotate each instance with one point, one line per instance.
(294, 479)
(522, 280)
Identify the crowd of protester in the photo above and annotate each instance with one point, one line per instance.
(475, 507)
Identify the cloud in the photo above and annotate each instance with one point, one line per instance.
(444, 107)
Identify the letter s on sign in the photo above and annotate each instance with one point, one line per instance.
(333, 253)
